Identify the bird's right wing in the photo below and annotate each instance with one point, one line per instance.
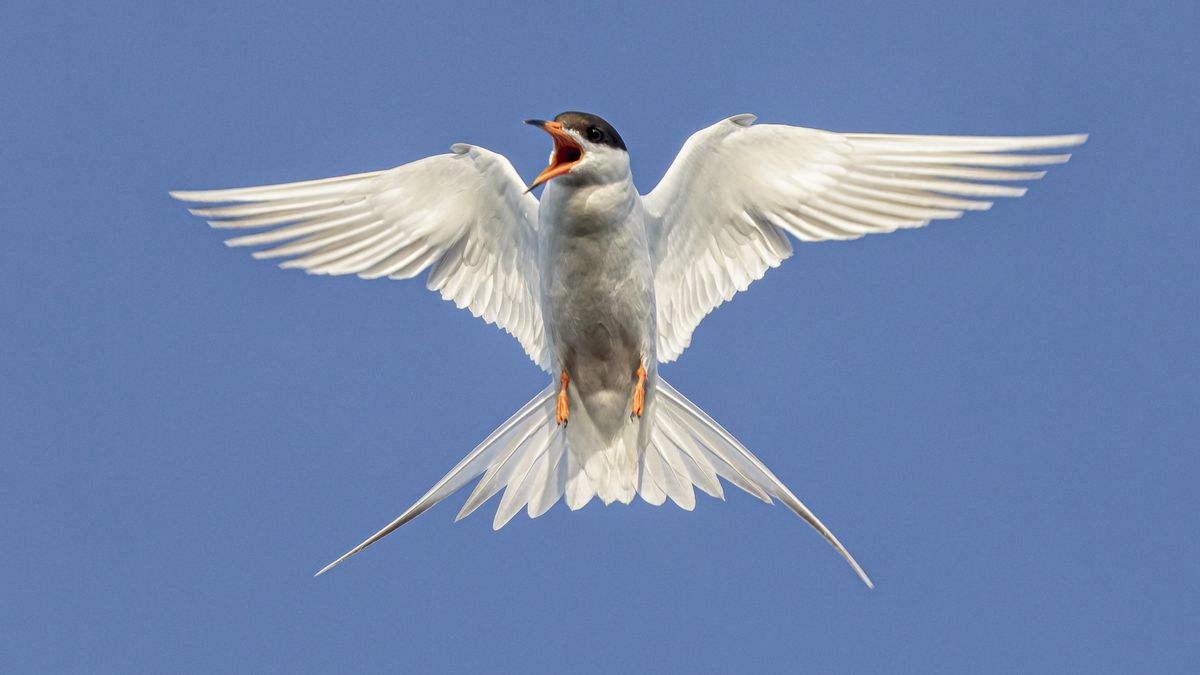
(722, 214)
(463, 216)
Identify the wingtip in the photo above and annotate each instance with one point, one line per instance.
(194, 196)
(1068, 140)
(743, 119)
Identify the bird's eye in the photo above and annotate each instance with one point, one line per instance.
(595, 135)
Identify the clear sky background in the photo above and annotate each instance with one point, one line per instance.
(997, 415)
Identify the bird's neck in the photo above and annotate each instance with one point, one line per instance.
(584, 206)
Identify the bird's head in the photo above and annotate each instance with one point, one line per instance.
(586, 149)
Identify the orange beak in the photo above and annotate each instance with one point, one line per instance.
(567, 152)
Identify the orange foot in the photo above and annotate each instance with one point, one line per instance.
(639, 390)
(560, 410)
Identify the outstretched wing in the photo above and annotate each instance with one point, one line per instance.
(464, 216)
(721, 215)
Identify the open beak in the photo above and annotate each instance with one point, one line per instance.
(567, 152)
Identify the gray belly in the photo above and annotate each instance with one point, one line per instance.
(599, 305)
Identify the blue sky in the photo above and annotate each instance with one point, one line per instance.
(998, 416)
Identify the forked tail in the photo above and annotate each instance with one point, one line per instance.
(528, 457)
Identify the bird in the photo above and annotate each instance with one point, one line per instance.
(600, 285)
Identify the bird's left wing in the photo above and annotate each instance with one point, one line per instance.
(721, 215)
(464, 216)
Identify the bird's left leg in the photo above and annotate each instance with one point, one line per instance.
(639, 389)
(561, 409)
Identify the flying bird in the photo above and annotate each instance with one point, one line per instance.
(601, 285)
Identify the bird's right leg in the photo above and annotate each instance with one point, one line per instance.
(639, 389)
(561, 407)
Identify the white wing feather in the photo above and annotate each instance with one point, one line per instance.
(464, 216)
(719, 218)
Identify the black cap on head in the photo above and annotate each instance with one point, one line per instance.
(592, 127)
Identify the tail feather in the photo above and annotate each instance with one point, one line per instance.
(648, 487)
(475, 463)
(739, 462)
(578, 489)
(698, 442)
(696, 469)
(528, 458)
(668, 477)
(523, 487)
(510, 466)
(551, 473)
